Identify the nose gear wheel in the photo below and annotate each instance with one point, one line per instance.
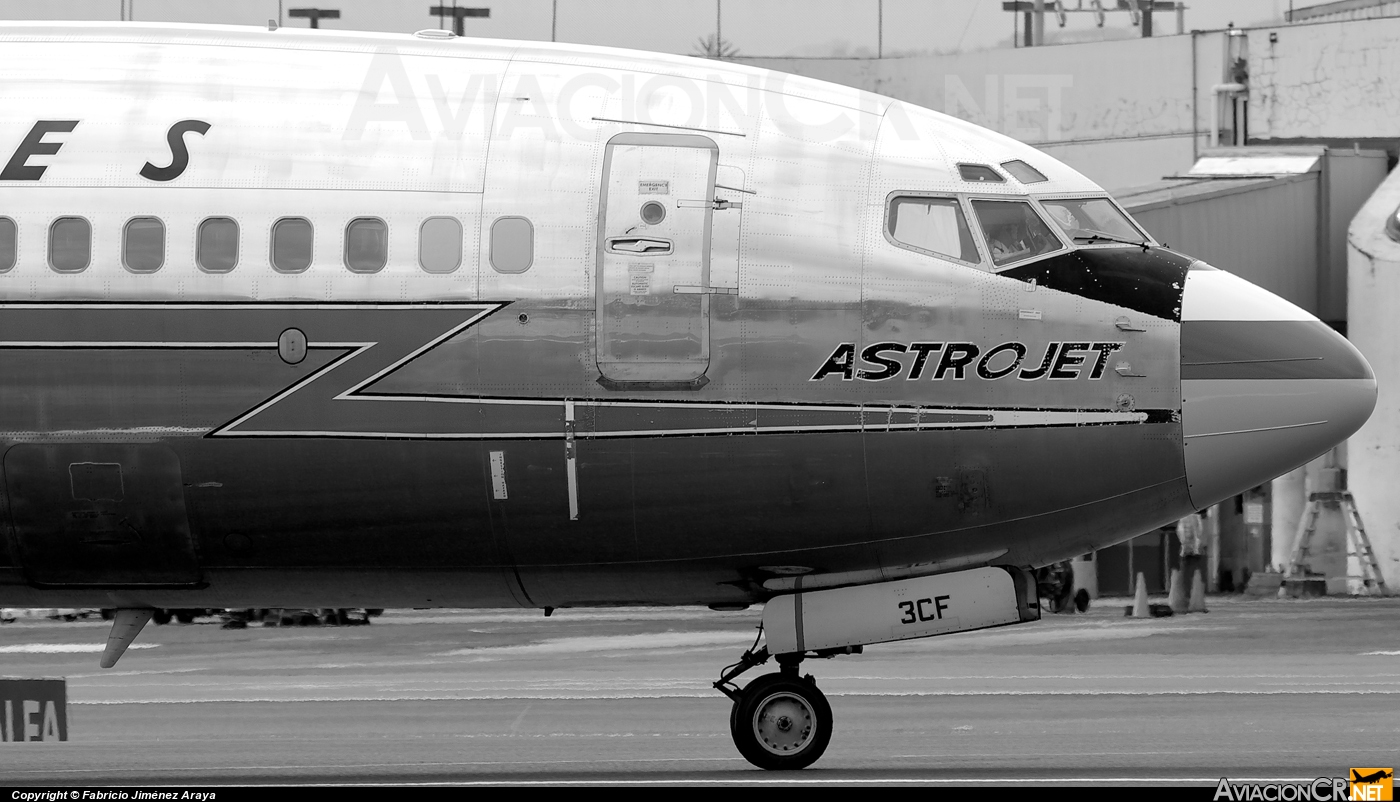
(781, 721)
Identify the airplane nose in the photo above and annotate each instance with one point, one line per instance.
(1265, 386)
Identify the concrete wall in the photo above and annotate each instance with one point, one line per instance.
(1332, 80)
(1121, 112)
(1373, 267)
(1130, 111)
(1265, 233)
(1123, 163)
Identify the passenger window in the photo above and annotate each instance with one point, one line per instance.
(366, 245)
(440, 245)
(9, 243)
(217, 247)
(512, 245)
(291, 244)
(1014, 231)
(70, 244)
(934, 225)
(143, 245)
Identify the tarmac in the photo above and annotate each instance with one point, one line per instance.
(1266, 690)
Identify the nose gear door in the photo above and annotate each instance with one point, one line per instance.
(100, 515)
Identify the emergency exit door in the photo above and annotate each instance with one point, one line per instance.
(657, 200)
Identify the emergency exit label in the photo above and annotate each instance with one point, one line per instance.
(34, 710)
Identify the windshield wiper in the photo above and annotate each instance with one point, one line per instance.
(1100, 236)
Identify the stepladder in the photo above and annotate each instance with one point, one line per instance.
(1359, 552)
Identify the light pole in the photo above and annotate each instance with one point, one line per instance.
(314, 14)
(458, 15)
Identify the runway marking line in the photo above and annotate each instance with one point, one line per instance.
(701, 695)
(747, 778)
(753, 777)
(448, 764)
(66, 648)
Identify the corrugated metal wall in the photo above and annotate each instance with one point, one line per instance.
(1265, 231)
(1352, 177)
(1284, 233)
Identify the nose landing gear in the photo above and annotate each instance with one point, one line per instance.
(780, 721)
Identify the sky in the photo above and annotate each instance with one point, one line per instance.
(812, 28)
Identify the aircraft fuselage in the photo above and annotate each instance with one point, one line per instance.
(360, 321)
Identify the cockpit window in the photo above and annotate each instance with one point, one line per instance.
(935, 225)
(979, 173)
(1093, 221)
(1023, 172)
(1014, 231)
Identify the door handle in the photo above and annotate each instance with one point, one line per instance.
(639, 245)
(718, 204)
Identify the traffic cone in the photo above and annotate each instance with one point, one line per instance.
(1198, 595)
(1177, 598)
(1140, 609)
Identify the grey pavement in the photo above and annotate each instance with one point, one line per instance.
(1262, 689)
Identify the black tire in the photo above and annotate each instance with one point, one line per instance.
(781, 723)
(734, 717)
(161, 617)
(185, 616)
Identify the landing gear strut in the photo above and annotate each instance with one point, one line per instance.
(780, 720)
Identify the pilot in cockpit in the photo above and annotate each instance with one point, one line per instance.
(1012, 237)
(1063, 217)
